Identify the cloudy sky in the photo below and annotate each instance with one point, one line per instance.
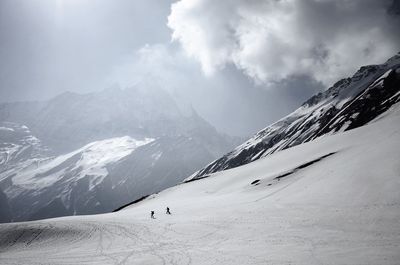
(241, 63)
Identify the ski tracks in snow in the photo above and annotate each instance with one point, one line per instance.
(92, 242)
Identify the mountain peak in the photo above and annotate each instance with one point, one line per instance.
(349, 103)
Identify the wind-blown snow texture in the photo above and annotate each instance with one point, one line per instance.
(334, 200)
(348, 104)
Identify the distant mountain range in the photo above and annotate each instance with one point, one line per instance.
(349, 103)
(84, 154)
(334, 200)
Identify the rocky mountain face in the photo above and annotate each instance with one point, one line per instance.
(83, 154)
(348, 104)
(70, 120)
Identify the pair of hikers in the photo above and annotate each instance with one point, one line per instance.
(152, 213)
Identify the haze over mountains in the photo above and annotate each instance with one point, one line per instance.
(331, 200)
(91, 153)
(180, 132)
(85, 154)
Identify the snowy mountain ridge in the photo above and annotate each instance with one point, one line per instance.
(92, 153)
(18, 144)
(91, 160)
(349, 103)
(333, 200)
(56, 175)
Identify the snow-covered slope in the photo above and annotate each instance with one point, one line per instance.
(77, 154)
(40, 182)
(99, 177)
(348, 104)
(334, 200)
(90, 160)
(18, 144)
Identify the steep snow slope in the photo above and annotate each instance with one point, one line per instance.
(334, 200)
(98, 177)
(90, 160)
(40, 183)
(18, 144)
(348, 104)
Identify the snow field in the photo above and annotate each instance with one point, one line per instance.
(306, 208)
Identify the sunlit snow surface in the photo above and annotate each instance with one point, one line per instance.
(335, 200)
(93, 158)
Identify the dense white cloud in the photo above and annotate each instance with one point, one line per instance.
(273, 40)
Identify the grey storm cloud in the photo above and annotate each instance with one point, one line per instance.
(261, 58)
(272, 40)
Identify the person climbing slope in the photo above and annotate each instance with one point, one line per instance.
(152, 215)
(168, 212)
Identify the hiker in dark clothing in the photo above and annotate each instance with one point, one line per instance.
(168, 212)
(152, 215)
